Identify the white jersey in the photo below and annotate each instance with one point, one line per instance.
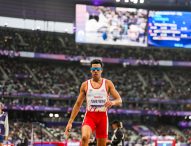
(96, 97)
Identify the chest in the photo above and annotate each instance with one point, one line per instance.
(96, 85)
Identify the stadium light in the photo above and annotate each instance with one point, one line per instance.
(132, 1)
(5, 24)
(142, 1)
(82, 116)
(117, 1)
(135, 1)
(66, 30)
(51, 115)
(56, 115)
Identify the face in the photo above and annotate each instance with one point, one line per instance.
(96, 71)
(114, 126)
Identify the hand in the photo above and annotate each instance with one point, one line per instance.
(108, 141)
(68, 128)
(109, 104)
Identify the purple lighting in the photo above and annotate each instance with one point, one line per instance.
(96, 2)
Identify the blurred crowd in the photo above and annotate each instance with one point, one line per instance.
(22, 78)
(63, 43)
(21, 134)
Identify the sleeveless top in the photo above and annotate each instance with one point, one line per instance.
(96, 97)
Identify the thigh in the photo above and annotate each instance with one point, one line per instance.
(88, 124)
(102, 127)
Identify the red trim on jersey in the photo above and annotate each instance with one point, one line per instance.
(86, 94)
(86, 87)
(98, 87)
(106, 88)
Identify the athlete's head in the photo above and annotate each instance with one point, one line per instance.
(96, 68)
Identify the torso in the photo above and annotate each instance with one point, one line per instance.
(96, 95)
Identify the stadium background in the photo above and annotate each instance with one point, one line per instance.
(39, 92)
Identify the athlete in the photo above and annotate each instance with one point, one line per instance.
(96, 91)
(4, 125)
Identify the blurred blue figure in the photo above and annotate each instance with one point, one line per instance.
(104, 35)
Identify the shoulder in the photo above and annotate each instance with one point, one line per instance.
(84, 85)
(108, 82)
(109, 85)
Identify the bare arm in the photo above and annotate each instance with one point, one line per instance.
(117, 98)
(76, 107)
(78, 103)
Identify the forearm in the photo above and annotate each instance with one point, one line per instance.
(117, 102)
(74, 113)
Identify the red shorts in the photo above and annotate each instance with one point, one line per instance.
(98, 122)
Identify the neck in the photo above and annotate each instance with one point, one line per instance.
(96, 79)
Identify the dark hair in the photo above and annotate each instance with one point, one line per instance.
(116, 123)
(97, 61)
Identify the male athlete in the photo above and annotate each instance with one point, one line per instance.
(4, 125)
(96, 91)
